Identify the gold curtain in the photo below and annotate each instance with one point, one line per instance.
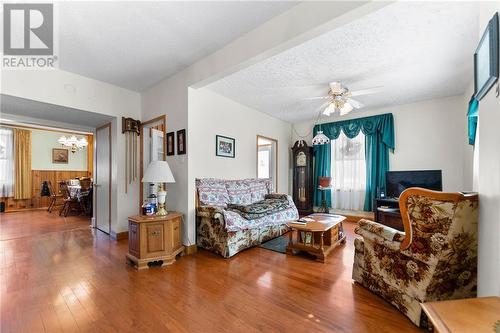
(22, 166)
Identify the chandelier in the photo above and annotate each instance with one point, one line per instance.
(73, 143)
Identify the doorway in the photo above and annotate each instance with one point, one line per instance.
(267, 159)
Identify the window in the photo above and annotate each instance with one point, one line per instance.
(6, 162)
(348, 170)
(267, 167)
(264, 163)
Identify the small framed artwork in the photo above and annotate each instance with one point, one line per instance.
(181, 142)
(170, 143)
(486, 60)
(224, 146)
(59, 156)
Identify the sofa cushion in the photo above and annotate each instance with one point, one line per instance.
(239, 192)
(212, 192)
(258, 189)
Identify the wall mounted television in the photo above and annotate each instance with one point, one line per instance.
(398, 181)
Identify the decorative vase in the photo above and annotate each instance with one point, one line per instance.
(325, 181)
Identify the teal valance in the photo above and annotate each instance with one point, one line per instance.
(379, 139)
(382, 124)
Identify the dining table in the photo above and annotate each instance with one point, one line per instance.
(83, 196)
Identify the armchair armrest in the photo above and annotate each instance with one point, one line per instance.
(380, 233)
(381, 230)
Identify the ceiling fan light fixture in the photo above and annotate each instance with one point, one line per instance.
(346, 109)
(330, 109)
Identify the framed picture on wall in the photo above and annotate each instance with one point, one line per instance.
(224, 146)
(59, 156)
(170, 143)
(181, 142)
(486, 60)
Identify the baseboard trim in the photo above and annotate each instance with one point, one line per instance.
(119, 236)
(190, 249)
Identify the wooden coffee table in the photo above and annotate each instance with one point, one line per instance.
(318, 237)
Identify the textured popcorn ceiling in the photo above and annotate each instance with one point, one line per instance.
(415, 50)
(135, 44)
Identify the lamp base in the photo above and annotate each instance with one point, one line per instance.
(162, 195)
(161, 210)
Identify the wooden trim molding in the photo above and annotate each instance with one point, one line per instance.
(162, 118)
(116, 236)
(417, 191)
(276, 159)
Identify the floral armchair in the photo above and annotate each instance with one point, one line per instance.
(434, 259)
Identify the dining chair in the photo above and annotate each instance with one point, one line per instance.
(55, 197)
(70, 203)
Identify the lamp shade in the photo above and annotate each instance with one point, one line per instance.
(158, 172)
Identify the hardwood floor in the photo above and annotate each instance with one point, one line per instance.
(77, 280)
(38, 222)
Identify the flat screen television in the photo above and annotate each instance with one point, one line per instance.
(398, 181)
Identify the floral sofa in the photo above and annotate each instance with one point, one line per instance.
(434, 259)
(233, 215)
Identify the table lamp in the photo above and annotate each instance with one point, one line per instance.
(159, 172)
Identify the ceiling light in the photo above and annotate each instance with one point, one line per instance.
(329, 110)
(346, 109)
(320, 139)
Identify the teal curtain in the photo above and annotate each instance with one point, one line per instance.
(322, 168)
(472, 114)
(379, 133)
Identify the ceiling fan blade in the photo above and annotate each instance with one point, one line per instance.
(367, 91)
(321, 107)
(314, 98)
(355, 104)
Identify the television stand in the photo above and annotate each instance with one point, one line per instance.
(387, 213)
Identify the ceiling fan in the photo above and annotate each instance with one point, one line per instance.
(339, 98)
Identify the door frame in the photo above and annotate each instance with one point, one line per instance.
(108, 125)
(162, 118)
(257, 158)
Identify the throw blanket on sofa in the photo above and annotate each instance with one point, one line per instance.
(260, 208)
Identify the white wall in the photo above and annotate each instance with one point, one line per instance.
(429, 135)
(42, 143)
(487, 167)
(211, 114)
(51, 86)
(170, 96)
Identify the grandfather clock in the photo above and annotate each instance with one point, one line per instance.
(302, 177)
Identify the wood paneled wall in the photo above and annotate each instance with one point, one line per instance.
(37, 178)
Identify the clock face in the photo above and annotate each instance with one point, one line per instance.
(301, 159)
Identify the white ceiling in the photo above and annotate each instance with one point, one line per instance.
(415, 50)
(17, 106)
(136, 44)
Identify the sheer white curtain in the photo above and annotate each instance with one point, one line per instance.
(348, 172)
(6, 162)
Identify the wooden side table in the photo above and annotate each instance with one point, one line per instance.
(465, 315)
(154, 239)
(318, 237)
